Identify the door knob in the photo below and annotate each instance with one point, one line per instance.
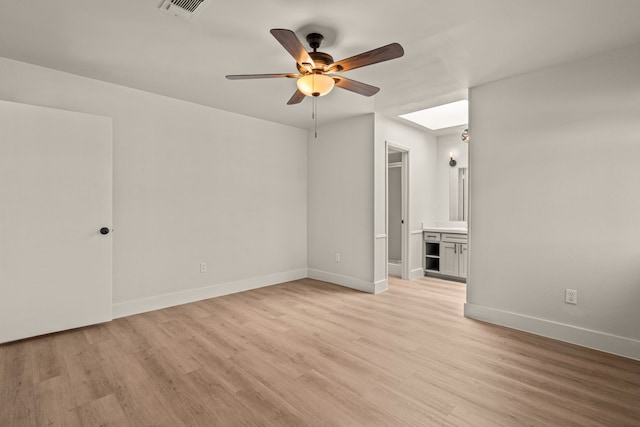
(104, 230)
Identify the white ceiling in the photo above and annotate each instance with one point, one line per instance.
(450, 45)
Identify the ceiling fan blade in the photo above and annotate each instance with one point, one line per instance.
(296, 98)
(355, 86)
(292, 44)
(384, 53)
(261, 76)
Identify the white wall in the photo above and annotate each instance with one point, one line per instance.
(191, 184)
(340, 203)
(554, 202)
(422, 187)
(346, 192)
(448, 144)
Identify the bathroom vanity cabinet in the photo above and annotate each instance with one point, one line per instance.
(445, 253)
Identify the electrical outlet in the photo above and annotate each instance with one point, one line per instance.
(203, 267)
(571, 296)
(337, 256)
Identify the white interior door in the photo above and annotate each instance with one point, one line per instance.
(55, 196)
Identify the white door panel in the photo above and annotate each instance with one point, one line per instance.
(55, 195)
(449, 258)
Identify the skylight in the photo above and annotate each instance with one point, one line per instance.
(442, 116)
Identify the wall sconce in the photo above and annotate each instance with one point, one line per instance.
(452, 162)
(465, 135)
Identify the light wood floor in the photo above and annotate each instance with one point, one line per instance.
(308, 353)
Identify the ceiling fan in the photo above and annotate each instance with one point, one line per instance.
(317, 70)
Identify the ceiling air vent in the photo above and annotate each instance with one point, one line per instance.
(184, 8)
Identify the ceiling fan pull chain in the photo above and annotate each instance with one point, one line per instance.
(315, 116)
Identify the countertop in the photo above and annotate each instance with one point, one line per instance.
(458, 230)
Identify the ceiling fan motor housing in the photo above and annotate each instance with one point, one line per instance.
(322, 61)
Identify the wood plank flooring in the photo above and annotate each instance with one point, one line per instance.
(307, 353)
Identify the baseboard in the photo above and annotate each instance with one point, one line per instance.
(394, 269)
(380, 286)
(347, 281)
(128, 308)
(608, 343)
(416, 273)
(446, 277)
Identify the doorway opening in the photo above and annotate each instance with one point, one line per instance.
(397, 210)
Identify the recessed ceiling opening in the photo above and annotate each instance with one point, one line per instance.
(442, 116)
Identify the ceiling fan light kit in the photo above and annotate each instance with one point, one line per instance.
(315, 84)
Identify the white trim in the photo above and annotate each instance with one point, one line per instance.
(346, 281)
(397, 147)
(395, 269)
(386, 213)
(128, 308)
(414, 232)
(614, 344)
(380, 286)
(381, 236)
(416, 273)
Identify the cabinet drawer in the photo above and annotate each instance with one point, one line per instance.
(430, 236)
(455, 238)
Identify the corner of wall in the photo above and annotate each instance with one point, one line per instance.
(157, 302)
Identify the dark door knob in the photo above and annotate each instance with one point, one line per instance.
(104, 230)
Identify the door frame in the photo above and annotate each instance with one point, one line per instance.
(392, 147)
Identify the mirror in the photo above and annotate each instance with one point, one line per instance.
(458, 194)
